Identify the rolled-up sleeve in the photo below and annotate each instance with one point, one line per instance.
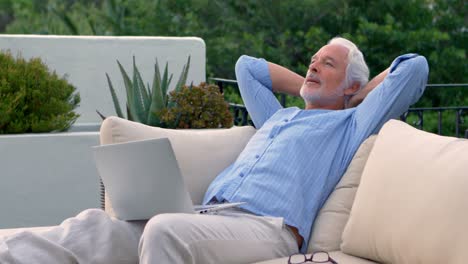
(253, 78)
(402, 87)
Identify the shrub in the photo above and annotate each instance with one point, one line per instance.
(143, 102)
(34, 100)
(197, 107)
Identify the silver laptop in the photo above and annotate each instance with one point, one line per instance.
(142, 179)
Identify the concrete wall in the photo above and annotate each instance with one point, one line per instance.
(86, 59)
(45, 178)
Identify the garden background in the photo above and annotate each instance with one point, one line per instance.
(286, 32)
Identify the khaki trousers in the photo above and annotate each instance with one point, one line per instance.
(92, 237)
(232, 236)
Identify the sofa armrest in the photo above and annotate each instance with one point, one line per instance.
(201, 153)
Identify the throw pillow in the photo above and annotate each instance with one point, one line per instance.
(411, 205)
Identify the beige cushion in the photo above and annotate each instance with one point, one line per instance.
(202, 153)
(331, 220)
(412, 202)
(338, 256)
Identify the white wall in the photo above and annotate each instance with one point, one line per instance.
(45, 178)
(86, 59)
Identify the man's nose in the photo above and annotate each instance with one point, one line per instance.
(313, 67)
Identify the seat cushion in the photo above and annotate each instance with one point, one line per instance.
(331, 220)
(338, 256)
(412, 202)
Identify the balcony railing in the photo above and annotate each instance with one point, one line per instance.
(414, 116)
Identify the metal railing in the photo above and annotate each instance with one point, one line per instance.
(459, 111)
(414, 115)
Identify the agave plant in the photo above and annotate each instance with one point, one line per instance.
(143, 103)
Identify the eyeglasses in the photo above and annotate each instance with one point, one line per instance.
(316, 257)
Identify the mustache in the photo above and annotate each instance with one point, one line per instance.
(312, 77)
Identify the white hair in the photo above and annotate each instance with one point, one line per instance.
(357, 70)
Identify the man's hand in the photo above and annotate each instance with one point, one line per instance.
(356, 99)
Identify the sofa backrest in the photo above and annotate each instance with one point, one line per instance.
(86, 59)
(201, 153)
(332, 218)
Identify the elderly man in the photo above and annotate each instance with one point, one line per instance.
(284, 174)
(291, 165)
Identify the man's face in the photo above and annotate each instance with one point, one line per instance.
(323, 85)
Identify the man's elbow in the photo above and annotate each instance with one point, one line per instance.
(420, 71)
(242, 64)
(421, 67)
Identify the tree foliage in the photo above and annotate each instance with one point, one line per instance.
(284, 32)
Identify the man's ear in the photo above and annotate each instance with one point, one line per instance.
(353, 89)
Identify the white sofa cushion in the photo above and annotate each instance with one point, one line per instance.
(201, 153)
(331, 220)
(411, 205)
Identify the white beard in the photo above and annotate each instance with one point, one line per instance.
(318, 97)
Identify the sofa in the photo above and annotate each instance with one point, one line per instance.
(402, 199)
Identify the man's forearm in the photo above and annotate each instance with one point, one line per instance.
(359, 97)
(284, 80)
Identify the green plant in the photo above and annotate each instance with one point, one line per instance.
(200, 106)
(33, 99)
(143, 102)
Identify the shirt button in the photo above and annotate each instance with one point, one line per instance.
(257, 156)
(272, 136)
(286, 120)
(241, 174)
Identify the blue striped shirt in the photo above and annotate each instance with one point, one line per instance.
(293, 162)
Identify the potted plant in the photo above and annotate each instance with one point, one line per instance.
(191, 106)
(200, 106)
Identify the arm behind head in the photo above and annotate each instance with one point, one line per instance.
(356, 99)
